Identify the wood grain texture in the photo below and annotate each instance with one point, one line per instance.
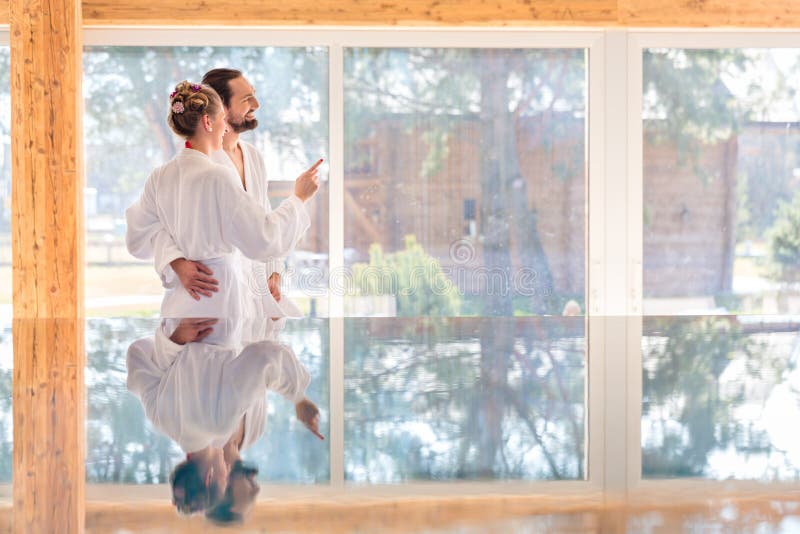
(355, 12)
(49, 434)
(532, 13)
(46, 151)
(710, 13)
(592, 13)
(341, 516)
(47, 261)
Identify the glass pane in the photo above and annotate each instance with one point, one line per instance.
(465, 189)
(5, 184)
(124, 446)
(721, 181)
(6, 346)
(720, 397)
(464, 398)
(126, 136)
(721, 222)
(465, 181)
(465, 192)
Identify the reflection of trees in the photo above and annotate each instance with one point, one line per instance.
(5, 140)
(288, 452)
(739, 105)
(121, 447)
(127, 88)
(689, 408)
(768, 515)
(497, 89)
(6, 431)
(784, 242)
(423, 400)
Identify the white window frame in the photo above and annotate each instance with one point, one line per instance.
(614, 241)
(685, 489)
(336, 40)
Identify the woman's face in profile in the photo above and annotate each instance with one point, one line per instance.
(219, 127)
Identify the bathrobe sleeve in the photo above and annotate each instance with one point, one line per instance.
(146, 237)
(259, 234)
(143, 222)
(148, 363)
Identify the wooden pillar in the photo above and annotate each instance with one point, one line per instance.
(47, 244)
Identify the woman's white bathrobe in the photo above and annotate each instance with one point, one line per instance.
(198, 393)
(198, 207)
(254, 273)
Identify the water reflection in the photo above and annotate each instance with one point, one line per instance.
(464, 398)
(203, 383)
(721, 397)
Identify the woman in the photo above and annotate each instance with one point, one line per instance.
(200, 206)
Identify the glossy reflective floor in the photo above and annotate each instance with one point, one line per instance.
(735, 517)
(424, 403)
(423, 386)
(424, 400)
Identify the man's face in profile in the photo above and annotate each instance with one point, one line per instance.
(242, 105)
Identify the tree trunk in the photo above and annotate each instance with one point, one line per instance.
(729, 226)
(497, 339)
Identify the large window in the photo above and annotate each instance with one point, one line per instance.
(464, 197)
(126, 136)
(127, 91)
(464, 244)
(503, 280)
(721, 228)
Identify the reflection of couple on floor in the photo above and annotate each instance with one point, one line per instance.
(211, 400)
(205, 218)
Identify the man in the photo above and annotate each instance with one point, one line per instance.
(240, 103)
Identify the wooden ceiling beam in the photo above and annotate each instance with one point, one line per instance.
(424, 13)
(358, 12)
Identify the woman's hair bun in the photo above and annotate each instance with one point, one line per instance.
(188, 103)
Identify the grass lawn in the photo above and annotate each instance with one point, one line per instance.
(126, 281)
(108, 282)
(750, 267)
(119, 281)
(5, 284)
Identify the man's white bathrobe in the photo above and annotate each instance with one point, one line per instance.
(198, 207)
(198, 393)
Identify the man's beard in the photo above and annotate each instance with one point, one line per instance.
(243, 125)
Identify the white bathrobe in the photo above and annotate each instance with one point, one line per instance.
(254, 273)
(198, 207)
(198, 393)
